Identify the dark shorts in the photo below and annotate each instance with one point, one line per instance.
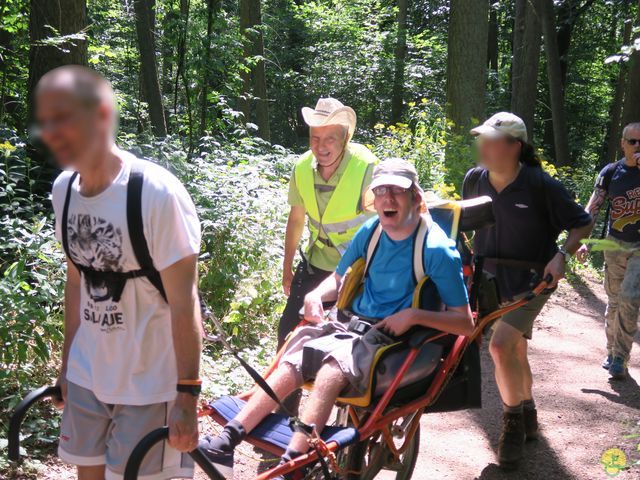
(522, 319)
(305, 279)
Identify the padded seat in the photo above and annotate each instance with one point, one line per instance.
(274, 429)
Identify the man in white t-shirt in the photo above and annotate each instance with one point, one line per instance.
(132, 343)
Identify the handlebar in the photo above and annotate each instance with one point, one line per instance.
(149, 441)
(19, 413)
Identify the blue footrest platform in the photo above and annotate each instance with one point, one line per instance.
(274, 429)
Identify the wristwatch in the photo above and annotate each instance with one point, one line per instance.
(566, 255)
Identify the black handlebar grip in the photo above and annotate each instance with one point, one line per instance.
(548, 279)
(19, 413)
(149, 441)
(141, 450)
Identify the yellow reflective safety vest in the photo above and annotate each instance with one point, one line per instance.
(343, 216)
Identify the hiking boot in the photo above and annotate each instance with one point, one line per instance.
(221, 459)
(618, 369)
(511, 446)
(531, 427)
(606, 363)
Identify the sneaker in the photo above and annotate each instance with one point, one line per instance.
(222, 460)
(511, 446)
(618, 369)
(606, 363)
(531, 427)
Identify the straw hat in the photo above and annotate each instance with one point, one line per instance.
(330, 111)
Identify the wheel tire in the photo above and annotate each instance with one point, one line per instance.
(358, 459)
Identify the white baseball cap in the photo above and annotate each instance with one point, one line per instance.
(500, 125)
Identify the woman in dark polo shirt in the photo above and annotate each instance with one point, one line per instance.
(530, 209)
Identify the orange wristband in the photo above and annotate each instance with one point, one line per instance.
(190, 382)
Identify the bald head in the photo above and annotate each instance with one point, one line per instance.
(87, 86)
(76, 113)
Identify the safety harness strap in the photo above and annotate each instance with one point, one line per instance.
(419, 239)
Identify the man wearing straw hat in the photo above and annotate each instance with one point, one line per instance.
(326, 188)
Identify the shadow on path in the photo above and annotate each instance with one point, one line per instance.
(537, 452)
(584, 288)
(625, 392)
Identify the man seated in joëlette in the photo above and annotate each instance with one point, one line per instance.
(386, 300)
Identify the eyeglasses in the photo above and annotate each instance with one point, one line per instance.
(384, 189)
(633, 141)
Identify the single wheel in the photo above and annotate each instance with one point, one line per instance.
(367, 459)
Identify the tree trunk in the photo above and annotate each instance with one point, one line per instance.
(213, 8)
(50, 19)
(527, 38)
(492, 44)
(467, 63)
(254, 81)
(400, 54)
(556, 92)
(149, 69)
(181, 71)
(631, 111)
(568, 13)
(615, 127)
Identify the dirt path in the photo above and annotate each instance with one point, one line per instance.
(582, 414)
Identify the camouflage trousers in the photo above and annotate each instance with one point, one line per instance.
(622, 284)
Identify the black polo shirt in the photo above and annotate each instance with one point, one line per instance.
(529, 214)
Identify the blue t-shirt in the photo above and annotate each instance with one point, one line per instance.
(624, 193)
(389, 285)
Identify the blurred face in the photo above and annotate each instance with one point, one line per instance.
(398, 209)
(497, 153)
(74, 132)
(327, 143)
(631, 146)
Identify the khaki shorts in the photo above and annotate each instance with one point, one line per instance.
(353, 353)
(95, 433)
(522, 318)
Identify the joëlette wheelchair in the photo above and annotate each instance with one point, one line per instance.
(424, 371)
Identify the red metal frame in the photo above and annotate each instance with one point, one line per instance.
(378, 421)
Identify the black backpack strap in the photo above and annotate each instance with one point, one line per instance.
(64, 230)
(608, 175)
(136, 228)
(470, 184)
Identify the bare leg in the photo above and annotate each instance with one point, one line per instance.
(328, 384)
(91, 473)
(283, 381)
(511, 373)
(527, 376)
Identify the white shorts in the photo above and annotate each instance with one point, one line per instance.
(96, 433)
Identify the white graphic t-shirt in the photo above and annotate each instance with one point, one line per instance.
(123, 351)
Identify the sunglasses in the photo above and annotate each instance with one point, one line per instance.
(382, 190)
(632, 141)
